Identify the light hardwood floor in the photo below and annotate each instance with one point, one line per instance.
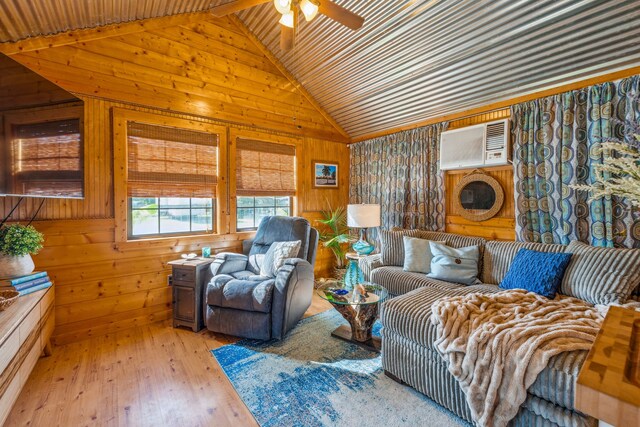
(153, 375)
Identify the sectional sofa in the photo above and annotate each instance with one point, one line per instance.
(409, 355)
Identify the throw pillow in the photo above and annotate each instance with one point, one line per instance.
(498, 257)
(601, 275)
(392, 246)
(454, 265)
(417, 255)
(539, 272)
(276, 255)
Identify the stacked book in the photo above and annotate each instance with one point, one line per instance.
(27, 284)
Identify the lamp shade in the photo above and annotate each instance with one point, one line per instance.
(309, 9)
(282, 6)
(288, 19)
(363, 216)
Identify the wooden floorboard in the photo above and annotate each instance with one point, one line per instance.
(146, 376)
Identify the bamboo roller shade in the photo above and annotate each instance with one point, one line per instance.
(47, 158)
(171, 162)
(50, 146)
(265, 168)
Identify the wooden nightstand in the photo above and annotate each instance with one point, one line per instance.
(187, 279)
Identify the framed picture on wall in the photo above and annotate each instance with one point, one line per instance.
(325, 174)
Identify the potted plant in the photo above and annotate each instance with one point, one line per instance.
(335, 236)
(17, 244)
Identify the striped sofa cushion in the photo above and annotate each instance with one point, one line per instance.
(399, 282)
(407, 319)
(368, 264)
(392, 246)
(498, 257)
(409, 315)
(454, 240)
(424, 370)
(556, 383)
(601, 275)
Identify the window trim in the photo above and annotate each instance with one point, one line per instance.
(254, 207)
(121, 116)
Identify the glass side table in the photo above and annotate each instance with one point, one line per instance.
(359, 306)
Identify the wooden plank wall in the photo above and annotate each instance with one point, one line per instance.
(20, 87)
(207, 71)
(500, 227)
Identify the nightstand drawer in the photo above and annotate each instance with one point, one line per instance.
(187, 276)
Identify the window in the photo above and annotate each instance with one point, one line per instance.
(265, 181)
(172, 179)
(251, 210)
(170, 215)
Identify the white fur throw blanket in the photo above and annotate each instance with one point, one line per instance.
(496, 345)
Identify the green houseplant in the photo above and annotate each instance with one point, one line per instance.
(17, 244)
(335, 235)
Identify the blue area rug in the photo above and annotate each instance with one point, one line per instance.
(313, 379)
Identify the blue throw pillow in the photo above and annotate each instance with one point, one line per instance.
(539, 272)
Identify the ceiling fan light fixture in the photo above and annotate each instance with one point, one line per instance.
(288, 19)
(309, 9)
(282, 6)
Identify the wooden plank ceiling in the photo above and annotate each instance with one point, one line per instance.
(413, 60)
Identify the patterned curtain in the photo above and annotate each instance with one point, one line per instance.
(556, 141)
(401, 173)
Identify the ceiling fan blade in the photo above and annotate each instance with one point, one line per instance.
(235, 6)
(340, 14)
(286, 38)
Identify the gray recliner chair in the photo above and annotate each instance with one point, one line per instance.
(242, 303)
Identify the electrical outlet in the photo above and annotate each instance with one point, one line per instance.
(170, 280)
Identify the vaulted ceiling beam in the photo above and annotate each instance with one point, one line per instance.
(85, 35)
(298, 86)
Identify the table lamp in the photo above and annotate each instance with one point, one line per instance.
(363, 216)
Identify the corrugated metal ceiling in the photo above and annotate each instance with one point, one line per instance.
(20, 19)
(412, 60)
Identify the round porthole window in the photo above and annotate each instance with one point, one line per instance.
(478, 196)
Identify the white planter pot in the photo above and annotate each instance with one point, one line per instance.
(15, 266)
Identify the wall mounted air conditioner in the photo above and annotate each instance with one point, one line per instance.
(475, 146)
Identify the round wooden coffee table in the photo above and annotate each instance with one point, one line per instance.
(359, 307)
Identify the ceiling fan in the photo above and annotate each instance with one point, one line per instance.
(289, 11)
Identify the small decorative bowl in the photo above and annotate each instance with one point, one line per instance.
(8, 297)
